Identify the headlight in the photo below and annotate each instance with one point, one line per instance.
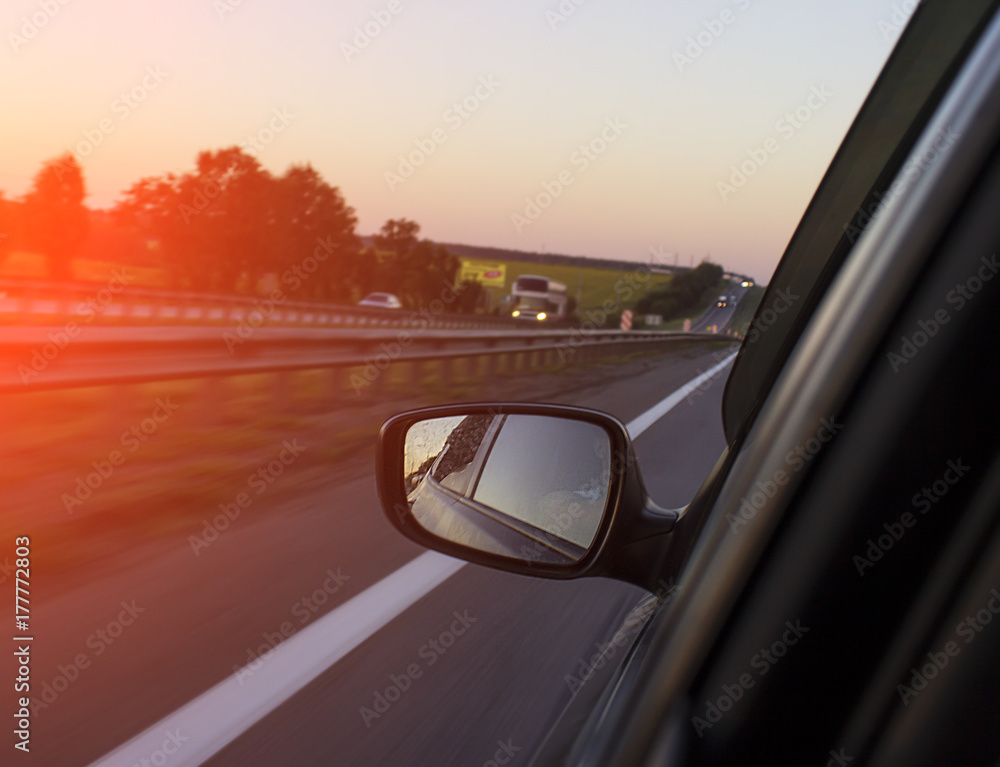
(541, 315)
(515, 313)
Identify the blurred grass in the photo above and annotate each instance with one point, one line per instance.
(19, 263)
(745, 309)
(204, 452)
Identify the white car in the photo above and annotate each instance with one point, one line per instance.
(381, 300)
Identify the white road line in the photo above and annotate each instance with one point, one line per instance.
(223, 713)
(638, 425)
(207, 724)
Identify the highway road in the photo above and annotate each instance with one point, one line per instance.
(478, 658)
(718, 316)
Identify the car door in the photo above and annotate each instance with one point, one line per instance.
(781, 643)
(839, 321)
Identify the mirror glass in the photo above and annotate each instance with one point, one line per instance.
(526, 486)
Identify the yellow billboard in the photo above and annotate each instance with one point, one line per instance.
(490, 275)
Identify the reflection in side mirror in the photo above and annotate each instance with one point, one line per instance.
(532, 487)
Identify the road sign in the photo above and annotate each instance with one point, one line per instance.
(490, 275)
(626, 320)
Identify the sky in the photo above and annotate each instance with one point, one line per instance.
(667, 131)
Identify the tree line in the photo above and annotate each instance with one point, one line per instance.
(231, 226)
(683, 293)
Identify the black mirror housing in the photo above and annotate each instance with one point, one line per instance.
(631, 525)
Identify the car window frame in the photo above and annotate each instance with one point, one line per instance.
(935, 44)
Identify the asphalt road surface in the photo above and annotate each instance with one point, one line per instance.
(479, 662)
(719, 316)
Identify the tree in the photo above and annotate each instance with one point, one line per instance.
(470, 295)
(229, 204)
(55, 219)
(416, 270)
(152, 206)
(231, 222)
(312, 214)
(398, 236)
(682, 293)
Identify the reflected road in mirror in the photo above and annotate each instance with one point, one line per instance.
(526, 486)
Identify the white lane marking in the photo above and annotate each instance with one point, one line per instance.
(639, 424)
(217, 717)
(220, 715)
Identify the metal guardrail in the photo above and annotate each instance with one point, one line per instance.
(33, 358)
(117, 303)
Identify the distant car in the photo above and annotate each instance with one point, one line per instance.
(722, 301)
(381, 300)
(746, 284)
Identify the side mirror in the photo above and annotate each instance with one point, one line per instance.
(534, 489)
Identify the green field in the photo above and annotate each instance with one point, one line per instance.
(746, 309)
(591, 286)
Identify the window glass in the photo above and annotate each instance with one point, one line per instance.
(551, 472)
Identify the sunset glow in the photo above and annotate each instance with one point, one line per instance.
(493, 100)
